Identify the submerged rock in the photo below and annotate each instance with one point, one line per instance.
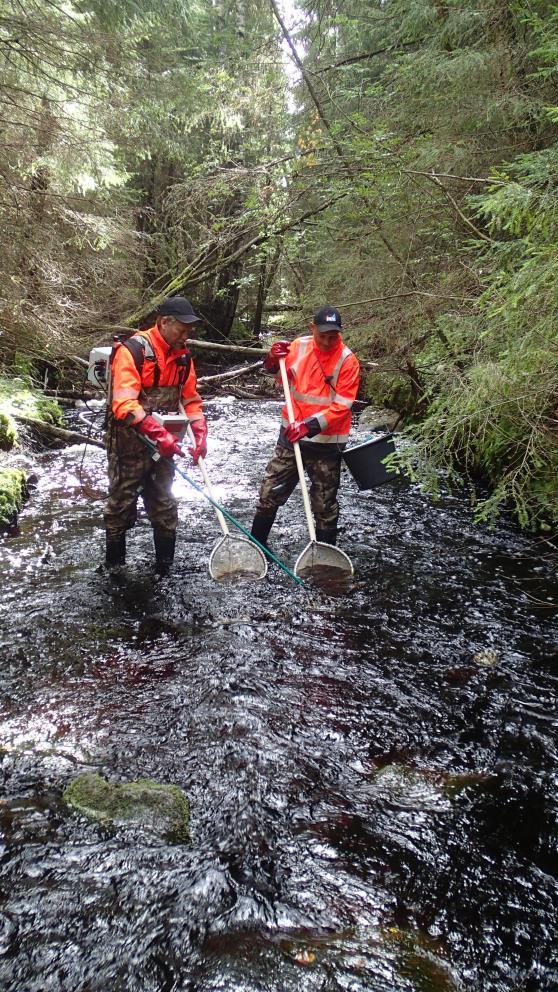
(423, 788)
(486, 659)
(164, 808)
(422, 961)
(410, 788)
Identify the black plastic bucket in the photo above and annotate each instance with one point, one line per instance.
(364, 461)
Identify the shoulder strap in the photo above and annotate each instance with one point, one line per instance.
(141, 350)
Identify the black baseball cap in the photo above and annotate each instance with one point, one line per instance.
(327, 319)
(178, 307)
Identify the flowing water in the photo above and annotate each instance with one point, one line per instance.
(372, 769)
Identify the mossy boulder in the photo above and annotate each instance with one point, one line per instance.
(46, 409)
(163, 808)
(8, 431)
(13, 490)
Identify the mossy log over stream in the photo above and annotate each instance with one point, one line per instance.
(164, 808)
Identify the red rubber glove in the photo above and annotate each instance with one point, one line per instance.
(166, 442)
(295, 432)
(199, 430)
(280, 349)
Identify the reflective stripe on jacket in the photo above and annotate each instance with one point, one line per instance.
(128, 382)
(324, 386)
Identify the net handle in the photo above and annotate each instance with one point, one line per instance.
(298, 456)
(203, 472)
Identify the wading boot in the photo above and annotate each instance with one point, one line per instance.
(327, 535)
(164, 541)
(261, 526)
(116, 550)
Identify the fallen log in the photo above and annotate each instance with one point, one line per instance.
(243, 394)
(230, 375)
(71, 394)
(61, 400)
(216, 346)
(242, 349)
(56, 433)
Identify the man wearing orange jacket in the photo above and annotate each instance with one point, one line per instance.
(152, 371)
(323, 377)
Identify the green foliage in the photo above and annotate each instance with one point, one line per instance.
(448, 234)
(389, 390)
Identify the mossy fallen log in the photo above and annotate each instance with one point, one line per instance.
(57, 434)
(13, 489)
(20, 401)
(163, 808)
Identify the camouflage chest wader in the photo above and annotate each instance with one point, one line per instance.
(281, 478)
(132, 471)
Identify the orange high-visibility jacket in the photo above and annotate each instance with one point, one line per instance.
(323, 385)
(127, 382)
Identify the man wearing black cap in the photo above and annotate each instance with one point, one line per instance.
(151, 372)
(323, 379)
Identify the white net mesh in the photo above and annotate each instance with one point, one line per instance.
(319, 558)
(237, 557)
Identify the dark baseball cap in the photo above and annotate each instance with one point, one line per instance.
(327, 319)
(178, 307)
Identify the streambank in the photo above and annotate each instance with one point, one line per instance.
(25, 414)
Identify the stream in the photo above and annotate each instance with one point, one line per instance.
(372, 771)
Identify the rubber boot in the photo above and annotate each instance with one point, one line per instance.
(116, 550)
(164, 541)
(261, 526)
(327, 535)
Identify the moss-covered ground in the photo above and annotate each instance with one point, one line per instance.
(18, 396)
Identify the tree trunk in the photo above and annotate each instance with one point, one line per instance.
(260, 299)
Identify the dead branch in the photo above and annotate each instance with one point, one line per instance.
(449, 175)
(468, 223)
(365, 55)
